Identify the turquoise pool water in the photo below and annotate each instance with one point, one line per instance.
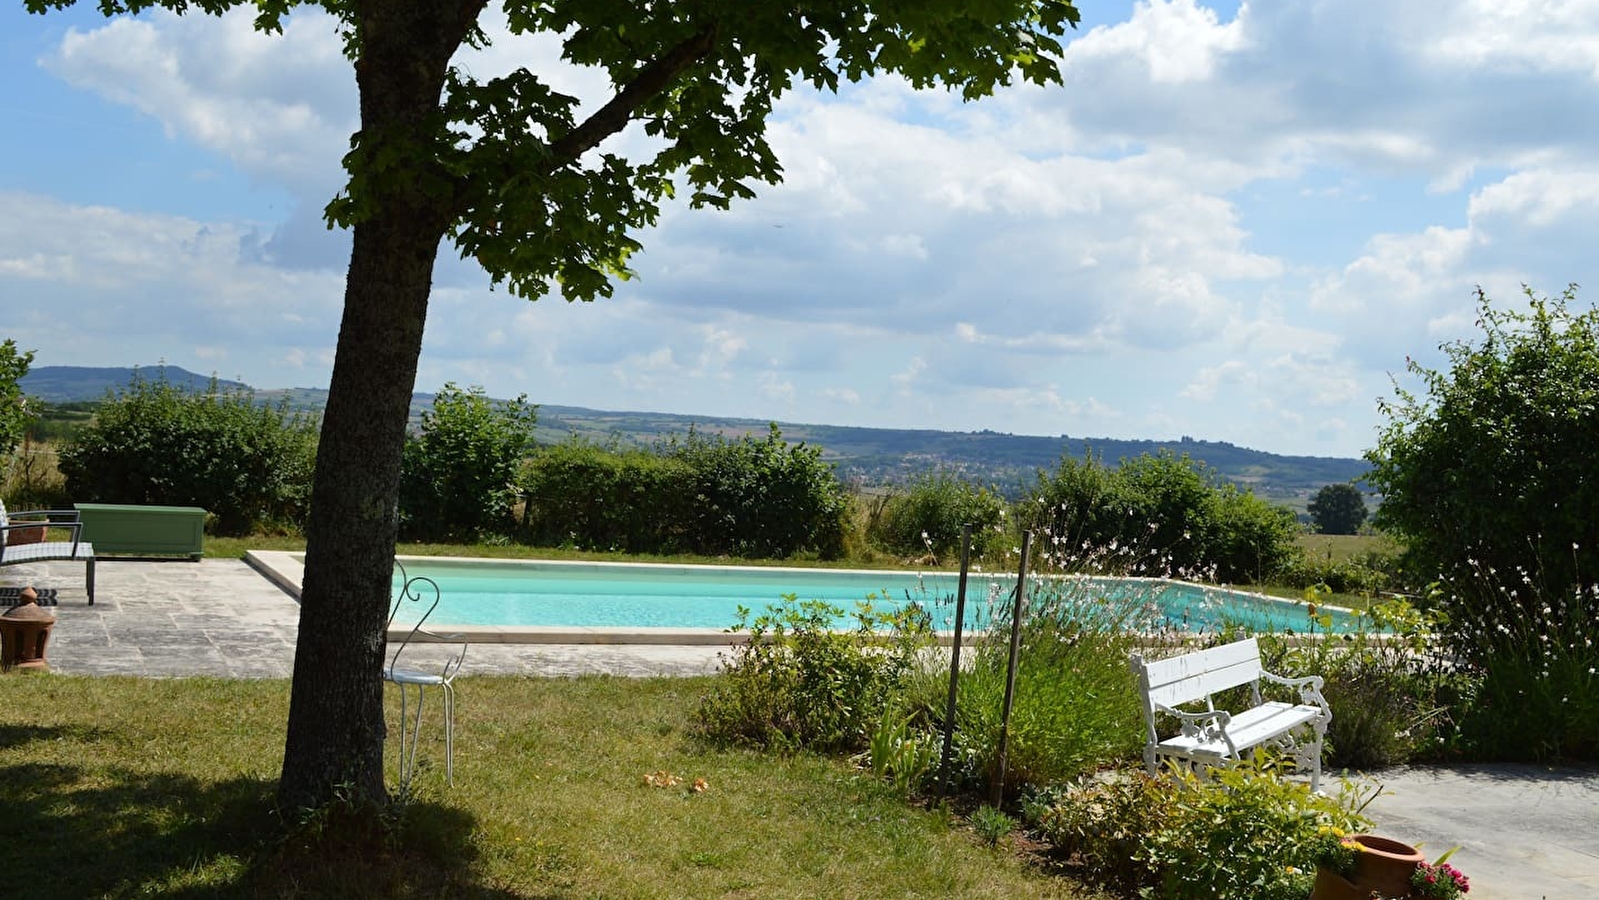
(634, 595)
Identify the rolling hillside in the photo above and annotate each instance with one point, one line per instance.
(869, 455)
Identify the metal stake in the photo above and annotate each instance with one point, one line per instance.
(997, 791)
(955, 662)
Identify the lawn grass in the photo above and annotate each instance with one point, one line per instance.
(121, 787)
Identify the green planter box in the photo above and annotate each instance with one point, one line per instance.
(144, 530)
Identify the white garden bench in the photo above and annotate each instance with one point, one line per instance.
(1217, 737)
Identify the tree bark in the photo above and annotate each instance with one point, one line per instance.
(334, 747)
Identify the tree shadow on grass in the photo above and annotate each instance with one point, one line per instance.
(75, 830)
(20, 735)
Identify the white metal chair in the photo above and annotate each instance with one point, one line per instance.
(421, 590)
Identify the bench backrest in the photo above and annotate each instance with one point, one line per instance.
(1195, 676)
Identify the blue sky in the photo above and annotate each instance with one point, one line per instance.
(1233, 222)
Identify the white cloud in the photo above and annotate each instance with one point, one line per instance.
(1177, 41)
(282, 107)
(1226, 226)
(774, 387)
(1206, 382)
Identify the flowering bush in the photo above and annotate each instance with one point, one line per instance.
(1439, 880)
(1335, 849)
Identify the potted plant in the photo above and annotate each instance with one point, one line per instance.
(1358, 866)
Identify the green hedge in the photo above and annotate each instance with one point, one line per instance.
(709, 495)
(592, 498)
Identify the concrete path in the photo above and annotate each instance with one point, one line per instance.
(1524, 832)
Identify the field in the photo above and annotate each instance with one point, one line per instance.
(1342, 547)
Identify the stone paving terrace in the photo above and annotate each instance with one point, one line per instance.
(222, 617)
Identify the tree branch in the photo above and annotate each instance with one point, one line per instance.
(614, 116)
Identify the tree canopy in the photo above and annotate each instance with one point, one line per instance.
(1338, 509)
(515, 174)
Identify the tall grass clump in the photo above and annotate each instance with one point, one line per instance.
(1534, 652)
(1074, 707)
(34, 479)
(1387, 680)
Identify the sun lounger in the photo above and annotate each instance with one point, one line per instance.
(14, 526)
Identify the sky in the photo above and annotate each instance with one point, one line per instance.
(1232, 222)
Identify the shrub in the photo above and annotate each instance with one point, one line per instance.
(929, 516)
(1186, 520)
(246, 463)
(1339, 576)
(595, 498)
(1489, 476)
(799, 684)
(761, 498)
(1081, 503)
(458, 476)
(14, 412)
(1385, 681)
(1243, 832)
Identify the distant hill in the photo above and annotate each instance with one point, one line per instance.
(870, 455)
(70, 384)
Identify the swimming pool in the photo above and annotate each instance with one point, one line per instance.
(650, 601)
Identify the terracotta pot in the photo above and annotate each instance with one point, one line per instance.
(18, 536)
(1332, 886)
(1384, 866)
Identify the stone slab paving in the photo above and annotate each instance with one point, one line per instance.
(1525, 832)
(221, 617)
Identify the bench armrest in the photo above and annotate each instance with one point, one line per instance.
(57, 516)
(1309, 688)
(13, 525)
(1207, 725)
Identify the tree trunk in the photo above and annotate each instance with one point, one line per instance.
(336, 731)
(335, 737)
